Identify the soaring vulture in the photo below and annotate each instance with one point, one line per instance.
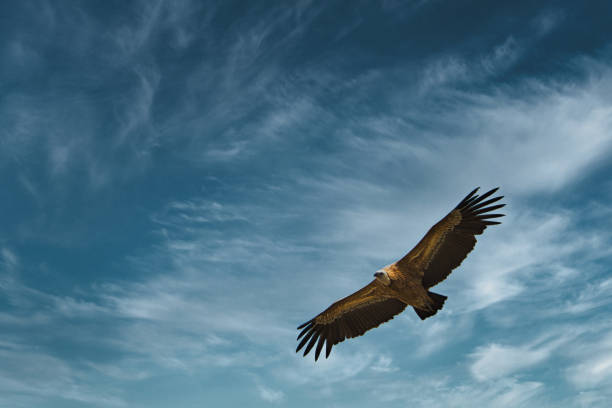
(405, 282)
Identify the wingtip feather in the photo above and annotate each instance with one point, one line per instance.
(310, 345)
(304, 340)
(467, 197)
(484, 210)
(319, 346)
(304, 324)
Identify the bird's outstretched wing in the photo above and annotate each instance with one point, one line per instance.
(349, 317)
(448, 242)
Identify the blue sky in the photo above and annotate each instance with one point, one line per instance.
(185, 182)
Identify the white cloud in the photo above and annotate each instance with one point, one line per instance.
(496, 361)
(593, 367)
(593, 295)
(555, 134)
(501, 263)
(384, 364)
(590, 399)
(270, 395)
(41, 376)
(343, 365)
(442, 391)
(135, 117)
(451, 70)
(129, 39)
(126, 370)
(9, 259)
(442, 71)
(503, 57)
(586, 360)
(448, 327)
(548, 21)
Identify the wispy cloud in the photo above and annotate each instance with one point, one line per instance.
(592, 296)
(270, 395)
(548, 21)
(29, 376)
(131, 38)
(437, 335)
(593, 368)
(384, 365)
(453, 70)
(136, 111)
(9, 259)
(495, 361)
(424, 392)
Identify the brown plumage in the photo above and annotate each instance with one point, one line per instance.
(405, 282)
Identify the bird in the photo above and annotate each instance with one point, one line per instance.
(405, 282)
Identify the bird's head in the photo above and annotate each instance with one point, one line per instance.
(382, 277)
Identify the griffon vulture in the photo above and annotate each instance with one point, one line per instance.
(405, 282)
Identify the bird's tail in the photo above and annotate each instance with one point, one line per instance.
(437, 301)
